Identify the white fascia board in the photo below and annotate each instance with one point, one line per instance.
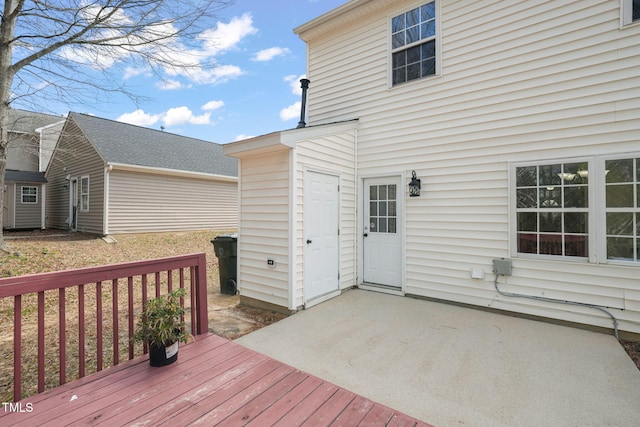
(171, 172)
(257, 145)
(61, 122)
(293, 136)
(285, 139)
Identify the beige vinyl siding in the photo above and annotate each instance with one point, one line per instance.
(520, 81)
(336, 155)
(264, 229)
(143, 202)
(28, 215)
(76, 157)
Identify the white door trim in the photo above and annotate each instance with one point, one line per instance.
(401, 199)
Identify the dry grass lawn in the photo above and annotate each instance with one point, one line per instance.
(51, 250)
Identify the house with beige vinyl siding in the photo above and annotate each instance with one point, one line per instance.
(107, 177)
(520, 119)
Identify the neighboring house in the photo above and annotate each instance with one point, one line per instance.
(107, 177)
(522, 122)
(32, 137)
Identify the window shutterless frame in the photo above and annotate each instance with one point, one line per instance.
(414, 43)
(29, 195)
(549, 200)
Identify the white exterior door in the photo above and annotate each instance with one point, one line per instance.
(382, 237)
(321, 255)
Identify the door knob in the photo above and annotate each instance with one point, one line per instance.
(308, 241)
(365, 234)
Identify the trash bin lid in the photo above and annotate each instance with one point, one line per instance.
(226, 237)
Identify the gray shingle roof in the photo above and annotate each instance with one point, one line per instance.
(24, 176)
(28, 121)
(134, 145)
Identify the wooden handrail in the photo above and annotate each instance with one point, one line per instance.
(16, 287)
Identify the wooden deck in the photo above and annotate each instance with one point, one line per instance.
(214, 382)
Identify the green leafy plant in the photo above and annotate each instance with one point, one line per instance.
(160, 322)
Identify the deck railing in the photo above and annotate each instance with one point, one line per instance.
(126, 281)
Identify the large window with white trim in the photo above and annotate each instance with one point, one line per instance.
(582, 209)
(413, 44)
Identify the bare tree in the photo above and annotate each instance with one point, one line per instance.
(51, 49)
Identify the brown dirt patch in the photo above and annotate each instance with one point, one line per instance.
(53, 250)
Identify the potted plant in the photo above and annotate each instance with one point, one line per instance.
(161, 326)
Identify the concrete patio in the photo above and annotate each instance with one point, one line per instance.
(449, 365)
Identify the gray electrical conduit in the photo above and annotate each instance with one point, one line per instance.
(596, 307)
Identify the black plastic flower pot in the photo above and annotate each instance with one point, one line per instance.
(162, 356)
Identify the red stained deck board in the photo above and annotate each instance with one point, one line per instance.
(330, 410)
(219, 413)
(287, 403)
(109, 390)
(222, 395)
(214, 381)
(308, 406)
(273, 394)
(159, 404)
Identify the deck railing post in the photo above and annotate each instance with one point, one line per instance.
(201, 296)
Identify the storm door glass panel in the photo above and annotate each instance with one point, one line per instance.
(622, 178)
(382, 208)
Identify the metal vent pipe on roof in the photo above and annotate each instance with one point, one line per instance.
(304, 84)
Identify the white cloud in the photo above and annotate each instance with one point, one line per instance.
(212, 105)
(217, 75)
(181, 115)
(169, 85)
(291, 112)
(133, 72)
(269, 54)
(139, 118)
(294, 83)
(227, 36)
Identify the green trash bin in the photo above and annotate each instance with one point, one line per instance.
(226, 249)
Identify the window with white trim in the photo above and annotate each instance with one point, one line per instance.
(413, 44)
(29, 195)
(630, 11)
(582, 209)
(84, 194)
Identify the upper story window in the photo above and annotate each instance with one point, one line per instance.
(630, 11)
(558, 210)
(413, 44)
(29, 195)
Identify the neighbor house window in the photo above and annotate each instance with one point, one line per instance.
(29, 195)
(84, 193)
(557, 214)
(630, 11)
(413, 44)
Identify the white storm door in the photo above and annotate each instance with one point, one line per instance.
(321, 258)
(382, 241)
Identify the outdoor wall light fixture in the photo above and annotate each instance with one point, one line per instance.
(414, 185)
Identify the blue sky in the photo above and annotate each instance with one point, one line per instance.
(253, 88)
